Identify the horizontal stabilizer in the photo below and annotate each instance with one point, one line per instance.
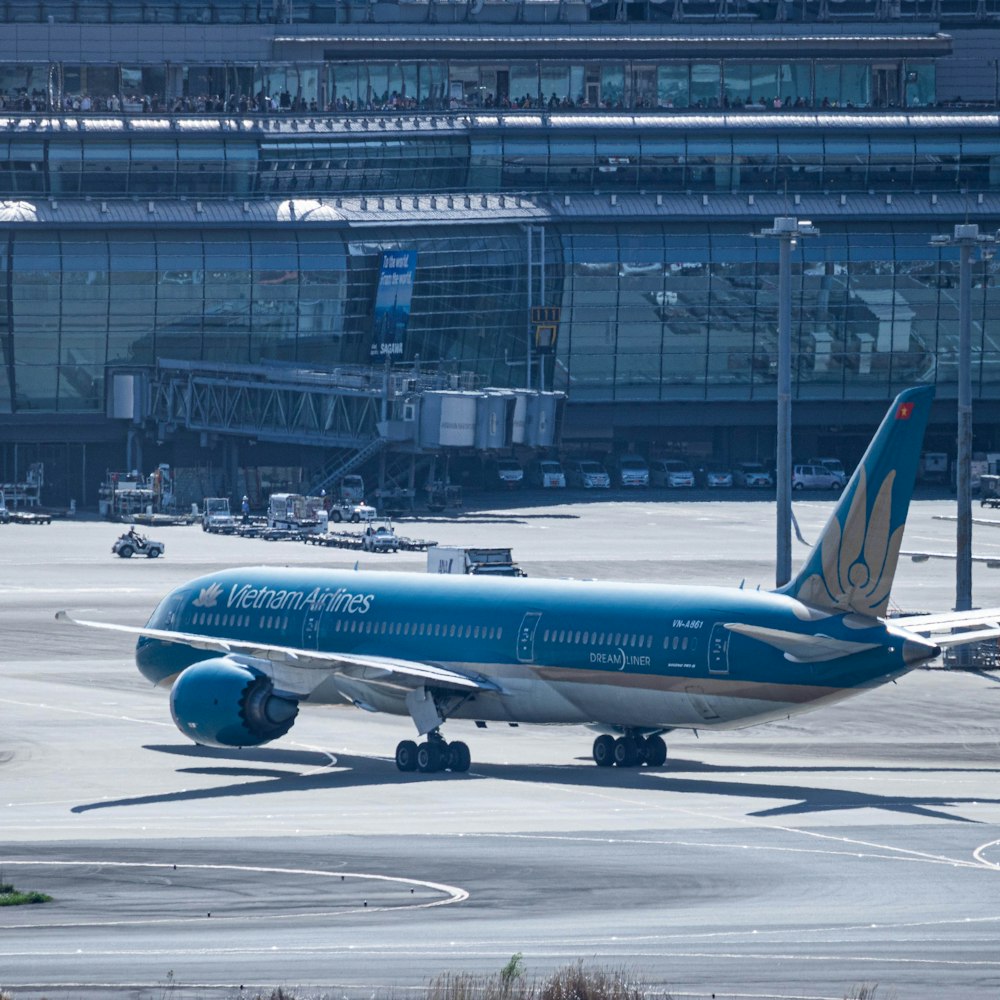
(803, 648)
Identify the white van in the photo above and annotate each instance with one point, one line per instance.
(547, 474)
(671, 472)
(631, 470)
(815, 477)
(587, 474)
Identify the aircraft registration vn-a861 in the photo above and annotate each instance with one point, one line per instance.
(243, 649)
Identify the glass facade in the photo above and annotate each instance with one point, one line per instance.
(79, 301)
(340, 85)
(666, 313)
(648, 312)
(653, 155)
(334, 12)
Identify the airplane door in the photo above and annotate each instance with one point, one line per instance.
(310, 629)
(526, 637)
(718, 650)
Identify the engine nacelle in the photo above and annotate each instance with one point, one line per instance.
(220, 703)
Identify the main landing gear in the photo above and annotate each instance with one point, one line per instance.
(436, 754)
(630, 750)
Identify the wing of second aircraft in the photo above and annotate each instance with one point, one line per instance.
(953, 628)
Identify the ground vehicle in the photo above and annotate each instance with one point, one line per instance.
(546, 473)
(353, 512)
(504, 473)
(670, 472)
(815, 477)
(216, 516)
(587, 474)
(716, 477)
(630, 470)
(352, 489)
(989, 491)
(752, 474)
(295, 512)
(380, 539)
(133, 544)
(834, 465)
(475, 562)
(4, 513)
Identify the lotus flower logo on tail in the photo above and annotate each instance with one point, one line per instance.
(852, 566)
(858, 558)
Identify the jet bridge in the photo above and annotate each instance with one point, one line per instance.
(293, 405)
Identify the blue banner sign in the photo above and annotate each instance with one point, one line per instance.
(392, 302)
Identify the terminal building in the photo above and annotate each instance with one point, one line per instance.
(401, 238)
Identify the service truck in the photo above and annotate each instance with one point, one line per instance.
(216, 517)
(295, 512)
(353, 512)
(473, 561)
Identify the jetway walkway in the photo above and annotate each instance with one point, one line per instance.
(356, 413)
(337, 409)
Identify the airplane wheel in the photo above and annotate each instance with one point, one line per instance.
(626, 752)
(655, 751)
(429, 758)
(604, 751)
(459, 756)
(406, 755)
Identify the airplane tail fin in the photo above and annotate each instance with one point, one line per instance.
(852, 564)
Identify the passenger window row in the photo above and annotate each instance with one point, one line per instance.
(439, 629)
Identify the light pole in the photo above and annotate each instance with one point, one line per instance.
(965, 237)
(786, 230)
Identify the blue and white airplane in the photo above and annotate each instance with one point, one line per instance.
(243, 649)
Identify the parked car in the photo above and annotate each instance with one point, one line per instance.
(587, 474)
(546, 473)
(504, 474)
(815, 477)
(629, 470)
(834, 465)
(752, 474)
(716, 477)
(671, 472)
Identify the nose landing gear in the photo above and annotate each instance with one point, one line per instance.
(630, 750)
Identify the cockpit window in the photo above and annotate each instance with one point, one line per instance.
(167, 613)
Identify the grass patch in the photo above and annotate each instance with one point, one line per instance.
(9, 896)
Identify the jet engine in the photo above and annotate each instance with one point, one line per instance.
(221, 703)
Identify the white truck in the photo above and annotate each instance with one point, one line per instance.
(380, 538)
(472, 561)
(295, 512)
(345, 510)
(216, 517)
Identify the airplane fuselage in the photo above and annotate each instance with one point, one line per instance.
(636, 656)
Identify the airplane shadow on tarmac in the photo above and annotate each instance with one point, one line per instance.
(328, 772)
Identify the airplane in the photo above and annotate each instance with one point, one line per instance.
(241, 650)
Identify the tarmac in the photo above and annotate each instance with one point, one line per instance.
(809, 858)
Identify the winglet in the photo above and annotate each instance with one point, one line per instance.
(852, 565)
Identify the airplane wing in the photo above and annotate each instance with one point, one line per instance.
(953, 628)
(380, 669)
(993, 562)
